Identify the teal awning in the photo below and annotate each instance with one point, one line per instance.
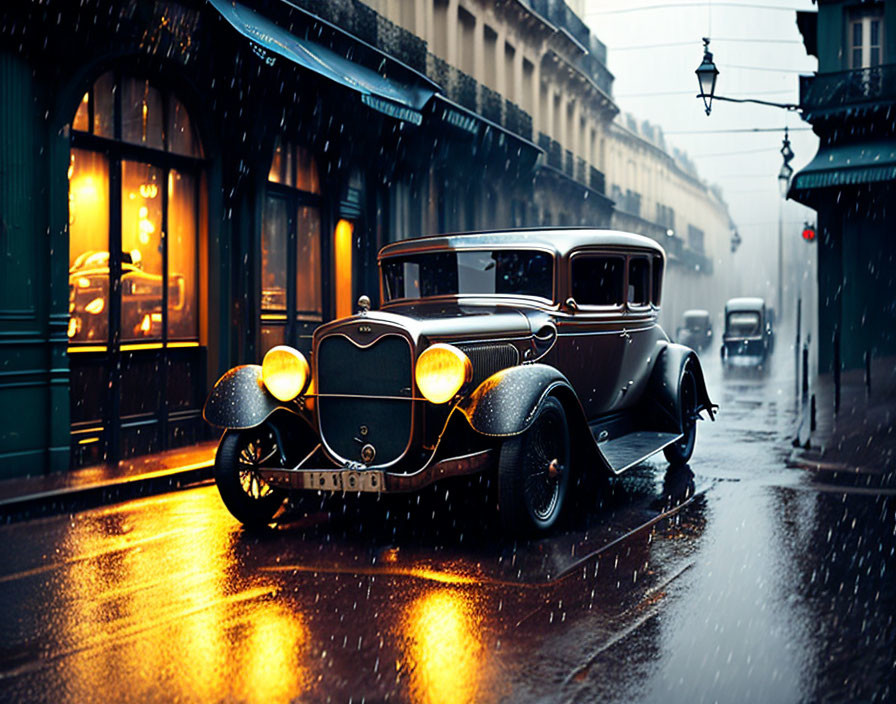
(393, 88)
(848, 165)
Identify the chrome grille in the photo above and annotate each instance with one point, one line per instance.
(362, 396)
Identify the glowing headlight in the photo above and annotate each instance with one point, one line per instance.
(441, 371)
(285, 372)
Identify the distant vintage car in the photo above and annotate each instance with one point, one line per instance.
(532, 354)
(748, 339)
(696, 332)
(141, 297)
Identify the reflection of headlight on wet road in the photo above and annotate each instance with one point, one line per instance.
(445, 648)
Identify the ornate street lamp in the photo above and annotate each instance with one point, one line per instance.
(786, 169)
(706, 76)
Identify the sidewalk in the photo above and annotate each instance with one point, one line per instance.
(861, 438)
(27, 497)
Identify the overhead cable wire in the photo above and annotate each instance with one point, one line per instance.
(673, 5)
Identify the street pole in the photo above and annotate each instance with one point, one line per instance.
(780, 299)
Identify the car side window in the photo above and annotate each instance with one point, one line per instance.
(598, 280)
(638, 281)
(657, 280)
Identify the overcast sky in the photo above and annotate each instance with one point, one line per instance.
(653, 50)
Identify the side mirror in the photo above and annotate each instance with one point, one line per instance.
(570, 304)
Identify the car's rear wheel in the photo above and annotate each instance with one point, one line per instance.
(679, 452)
(533, 472)
(251, 500)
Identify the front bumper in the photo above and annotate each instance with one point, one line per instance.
(376, 480)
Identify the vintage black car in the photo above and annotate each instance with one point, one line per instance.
(532, 354)
(749, 335)
(696, 332)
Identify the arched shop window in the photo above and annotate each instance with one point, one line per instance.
(133, 264)
(291, 286)
(154, 211)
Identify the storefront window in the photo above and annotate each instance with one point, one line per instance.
(274, 235)
(88, 212)
(150, 193)
(291, 298)
(308, 284)
(141, 251)
(182, 221)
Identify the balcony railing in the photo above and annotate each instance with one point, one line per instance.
(844, 89)
(597, 180)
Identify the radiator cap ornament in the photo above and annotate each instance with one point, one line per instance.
(368, 452)
(363, 304)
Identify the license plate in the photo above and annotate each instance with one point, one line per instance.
(344, 480)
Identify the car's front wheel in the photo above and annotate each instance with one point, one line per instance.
(679, 452)
(533, 472)
(251, 500)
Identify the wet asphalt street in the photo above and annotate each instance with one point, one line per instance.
(739, 579)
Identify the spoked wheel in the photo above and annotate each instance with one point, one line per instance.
(251, 500)
(533, 472)
(680, 452)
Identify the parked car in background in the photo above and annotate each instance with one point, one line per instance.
(749, 334)
(535, 355)
(696, 330)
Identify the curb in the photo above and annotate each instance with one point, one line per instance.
(68, 499)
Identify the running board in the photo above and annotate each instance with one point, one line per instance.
(633, 448)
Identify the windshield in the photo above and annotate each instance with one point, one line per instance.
(696, 323)
(507, 272)
(745, 324)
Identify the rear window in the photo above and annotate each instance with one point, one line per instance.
(743, 324)
(598, 280)
(477, 272)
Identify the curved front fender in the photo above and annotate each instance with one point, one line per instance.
(662, 397)
(239, 400)
(505, 404)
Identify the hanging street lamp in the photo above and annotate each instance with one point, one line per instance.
(707, 73)
(786, 169)
(706, 76)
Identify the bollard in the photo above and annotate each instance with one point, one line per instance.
(805, 370)
(796, 348)
(813, 421)
(868, 373)
(836, 369)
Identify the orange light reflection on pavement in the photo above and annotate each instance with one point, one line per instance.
(155, 602)
(445, 648)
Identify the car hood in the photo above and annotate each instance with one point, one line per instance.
(454, 321)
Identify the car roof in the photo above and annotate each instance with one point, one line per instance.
(558, 240)
(696, 313)
(744, 304)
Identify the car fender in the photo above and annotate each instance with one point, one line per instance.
(662, 404)
(506, 404)
(240, 400)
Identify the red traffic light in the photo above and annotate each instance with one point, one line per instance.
(809, 234)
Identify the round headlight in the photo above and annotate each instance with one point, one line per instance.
(285, 372)
(441, 371)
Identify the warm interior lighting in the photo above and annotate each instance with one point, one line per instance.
(342, 259)
(441, 371)
(285, 372)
